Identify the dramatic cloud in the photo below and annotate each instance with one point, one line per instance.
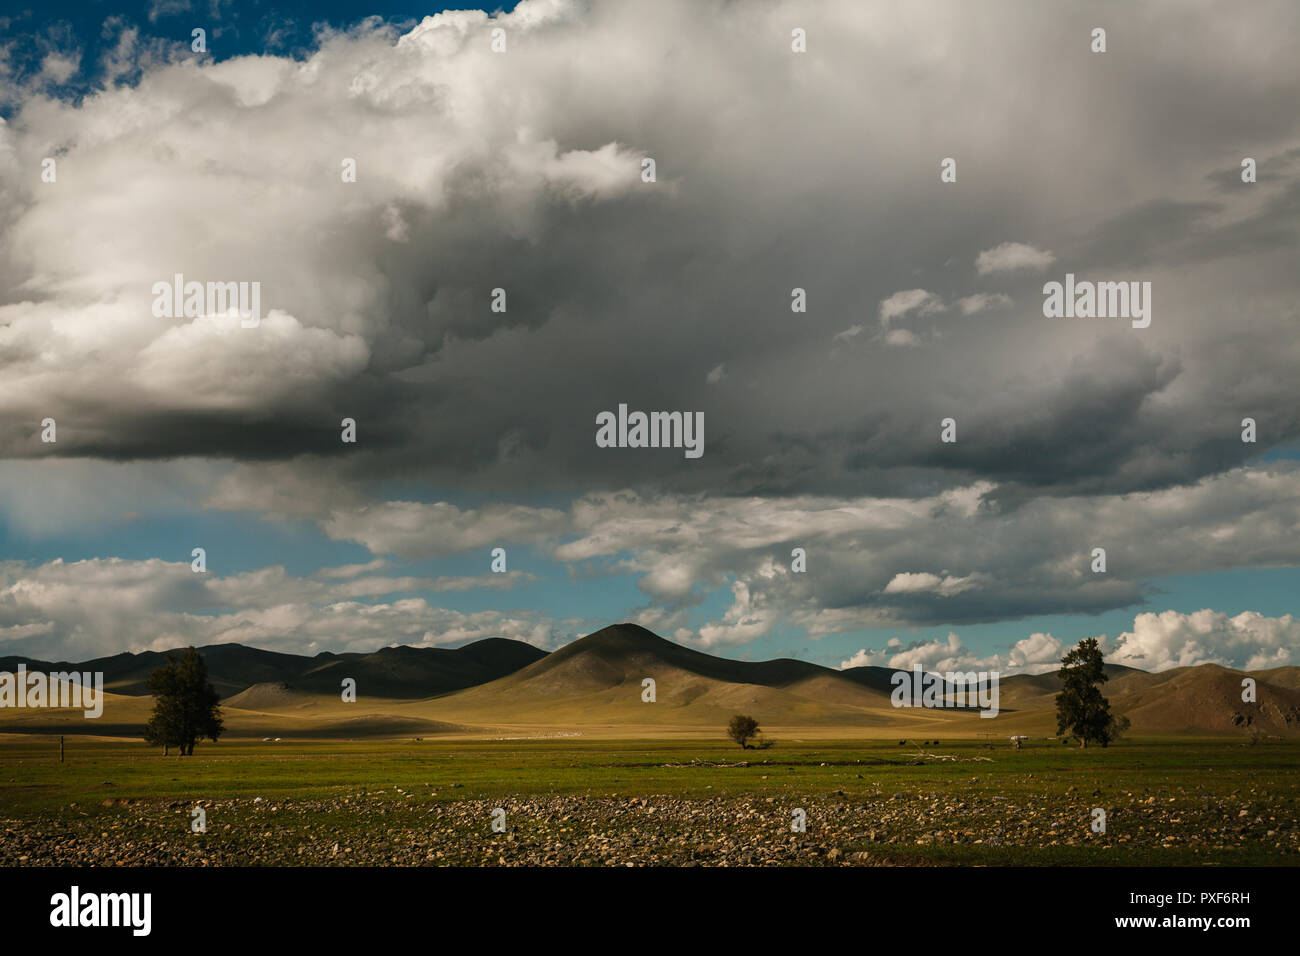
(983, 301)
(1012, 257)
(900, 304)
(522, 171)
(857, 548)
(1170, 639)
(502, 268)
(83, 609)
(1249, 641)
(936, 655)
(1036, 654)
(906, 582)
(412, 529)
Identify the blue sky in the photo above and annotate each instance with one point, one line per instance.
(233, 28)
(245, 542)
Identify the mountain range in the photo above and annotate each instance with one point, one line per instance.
(398, 672)
(595, 686)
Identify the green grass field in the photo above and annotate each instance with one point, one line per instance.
(1167, 802)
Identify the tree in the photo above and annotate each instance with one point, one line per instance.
(185, 704)
(1081, 710)
(742, 730)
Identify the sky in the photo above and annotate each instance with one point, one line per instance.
(920, 171)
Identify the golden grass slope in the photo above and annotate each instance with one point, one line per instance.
(594, 687)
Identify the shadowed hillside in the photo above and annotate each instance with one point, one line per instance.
(1207, 699)
(623, 652)
(595, 686)
(396, 672)
(597, 681)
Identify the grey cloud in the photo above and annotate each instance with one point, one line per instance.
(74, 610)
(522, 172)
(775, 171)
(961, 561)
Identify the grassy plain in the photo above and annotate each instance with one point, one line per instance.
(613, 801)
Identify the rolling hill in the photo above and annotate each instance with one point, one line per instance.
(598, 680)
(594, 686)
(394, 672)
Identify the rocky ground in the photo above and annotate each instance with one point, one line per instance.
(408, 828)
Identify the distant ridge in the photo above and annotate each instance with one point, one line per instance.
(625, 649)
(401, 672)
(595, 684)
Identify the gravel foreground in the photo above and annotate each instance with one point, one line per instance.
(404, 828)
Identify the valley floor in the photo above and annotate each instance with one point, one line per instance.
(650, 802)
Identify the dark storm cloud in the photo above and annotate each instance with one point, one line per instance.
(775, 171)
(621, 291)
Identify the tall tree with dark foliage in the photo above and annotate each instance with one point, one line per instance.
(185, 704)
(1081, 710)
